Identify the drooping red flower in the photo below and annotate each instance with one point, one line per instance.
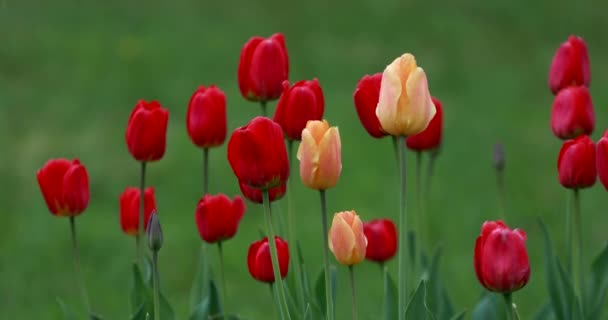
(217, 217)
(206, 118)
(259, 261)
(501, 259)
(576, 163)
(65, 186)
(130, 209)
(430, 138)
(572, 114)
(366, 99)
(298, 104)
(147, 131)
(570, 65)
(381, 237)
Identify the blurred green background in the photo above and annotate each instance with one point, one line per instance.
(71, 72)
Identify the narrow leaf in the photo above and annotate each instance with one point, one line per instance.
(458, 316)
(67, 312)
(598, 286)
(416, 308)
(390, 297)
(561, 307)
(489, 307)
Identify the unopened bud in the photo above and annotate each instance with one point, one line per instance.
(155, 233)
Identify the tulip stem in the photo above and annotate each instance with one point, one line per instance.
(274, 254)
(329, 311)
(419, 216)
(396, 148)
(205, 171)
(351, 270)
(156, 284)
(509, 304)
(273, 296)
(427, 194)
(263, 106)
(402, 290)
(141, 222)
(291, 223)
(223, 275)
(577, 224)
(77, 270)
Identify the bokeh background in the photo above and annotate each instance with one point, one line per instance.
(71, 71)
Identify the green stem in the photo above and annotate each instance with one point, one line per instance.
(570, 242)
(156, 285)
(402, 289)
(205, 171)
(395, 148)
(328, 296)
(77, 270)
(354, 292)
(419, 217)
(509, 305)
(263, 106)
(426, 196)
(141, 223)
(578, 230)
(274, 254)
(273, 296)
(291, 228)
(223, 275)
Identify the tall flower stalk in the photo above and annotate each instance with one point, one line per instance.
(77, 269)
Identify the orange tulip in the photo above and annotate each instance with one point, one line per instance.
(346, 238)
(320, 155)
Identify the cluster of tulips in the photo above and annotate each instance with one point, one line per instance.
(397, 103)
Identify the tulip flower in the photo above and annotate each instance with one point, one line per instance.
(147, 131)
(381, 236)
(576, 163)
(255, 195)
(366, 100)
(257, 154)
(299, 104)
(217, 217)
(404, 106)
(259, 263)
(501, 258)
(263, 66)
(572, 114)
(130, 206)
(570, 65)
(320, 155)
(346, 238)
(602, 159)
(65, 187)
(206, 119)
(430, 138)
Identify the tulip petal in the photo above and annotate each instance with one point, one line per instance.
(505, 266)
(390, 92)
(75, 189)
(341, 240)
(50, 179)
(330, 159)
(420, 109)
(308, 154)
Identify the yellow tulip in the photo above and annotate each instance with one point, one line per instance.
(320, 155)
(346, 238)
(404, 105)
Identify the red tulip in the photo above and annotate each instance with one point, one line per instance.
(570, 65)
(572, 113)
(255, 195)
(576, 163)
(206, 119)
(257, 154)
(297, 105)
(130, 209)
(381, 237)
(430, 138)
(65, 187)
(602, 159)
(259, 263)
(147, 131)
(263, 66)
(366, 99)
(501, 258)
(217, 217)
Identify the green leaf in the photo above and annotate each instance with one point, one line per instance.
(411, 246)
(67, 312)
(458, 316)
(390, 297)
(545, 313)
(598, 286)
(200, 288)
(291, 304)
(437, 297)
(307, 313)
(320, 287)
(210, 306)
(571, 298)
(142, 299)
(489, 307)
(138, 291)
(561, 306)
(416, 308)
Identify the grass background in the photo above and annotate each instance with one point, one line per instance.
(71, 71)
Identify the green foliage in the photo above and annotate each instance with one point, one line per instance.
(598, 286)
(416, 307)
(489, 307)
(66, 311)
(142, 302)
(210, 306)
(390, 297)
(320, 287)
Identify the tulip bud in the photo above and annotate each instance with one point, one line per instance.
(155, 233)
(366, 100)
(297, 105)
(404, 106)
(570, 65)
(572, 114)
(501, 258)
(255, 195)
(257, 154)
(576, 163)
(602, 159)
(65, 187)
(259, 261)
(346, 238)
(320, 155)
(430, 138)
(147, 131)
(381, 236)
(206, 119)
(263, 66)
(217, 217)
(130, 207)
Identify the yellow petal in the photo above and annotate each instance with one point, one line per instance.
(420, 108)
(341, 240)
(308, 154)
